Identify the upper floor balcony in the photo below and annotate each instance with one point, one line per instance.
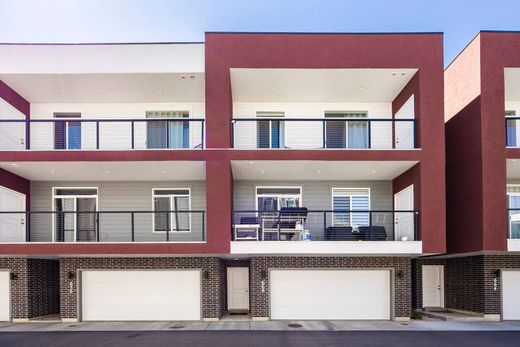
(323, 109)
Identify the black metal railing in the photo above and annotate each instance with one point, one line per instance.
(325, 225)
(93, 134)
(512, 133)
(513, 220)
(103, 226)
(323, 133)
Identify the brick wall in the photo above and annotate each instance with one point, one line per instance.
(212, 306)
(470, 281)
(402, 286)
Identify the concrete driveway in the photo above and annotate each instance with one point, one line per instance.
(261, 338)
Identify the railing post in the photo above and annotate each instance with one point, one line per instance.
(325, 223)
(97, 134)
(27, 134)
(203, 226)
(416, 226)
(324, 142)
(370, 225)
(369, 134)
(27, 227)
(132, 225)
(167, 226)
(97, 226)
(168, 134)
(279, 224)
(414, 134)
(232, 140)
(133, 132)
(202, 135)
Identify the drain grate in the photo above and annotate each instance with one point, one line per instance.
(294, 325)
(176, 327)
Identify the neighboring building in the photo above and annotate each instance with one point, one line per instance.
(288, 176)
(482, 105)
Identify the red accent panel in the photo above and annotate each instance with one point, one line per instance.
(18, 184)
(15, 99)
(464, 181)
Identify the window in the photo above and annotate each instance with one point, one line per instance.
(75, 219)
(346, 134)
(273, 198)
(511, 129)
(175, 203)
(351, 200)
(67, 133)
(270, 133)
(513, 202)
(168, 134)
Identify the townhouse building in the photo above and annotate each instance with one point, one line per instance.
(482, 265)
(284, 176)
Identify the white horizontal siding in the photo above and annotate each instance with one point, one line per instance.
(308, 135)
(118, 196)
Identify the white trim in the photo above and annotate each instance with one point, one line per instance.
(300, 196)
(170, 196)
(351, 195)
(273, 114)
(75, 196)
(327, 247)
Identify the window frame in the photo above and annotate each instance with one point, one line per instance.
(171, 231)
(74, 196)
(351, 195)
(342, 115)
(156, 116)
(281, 127)
(300, 196)
(67, 117)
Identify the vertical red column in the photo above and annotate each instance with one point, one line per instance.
(219, 204)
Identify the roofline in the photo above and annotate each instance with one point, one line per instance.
(326, 33)
(462, 51)
(500, 31)
(96, 44)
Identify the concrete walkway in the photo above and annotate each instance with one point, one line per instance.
(413, 325)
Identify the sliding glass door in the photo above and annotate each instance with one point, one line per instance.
(342, 133)
(75, 217)
(168, 134)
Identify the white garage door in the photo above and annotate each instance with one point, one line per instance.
(330, 294)
(140, 295)
(511, 295)
(5, 301)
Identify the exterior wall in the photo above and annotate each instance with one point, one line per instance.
(317, 195)
(308, 135)
(14, 99)
(402, 286)
(212, 288)
(115, 135)
(34, 291)
(118, 196)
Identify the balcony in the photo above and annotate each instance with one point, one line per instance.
(103, 226)
(323, 133)
(300, 224)
(101, 134)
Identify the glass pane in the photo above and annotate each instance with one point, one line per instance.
(278, 191)
(358, 134)
(289, 202)
(74, 135)
(59, 135)
(511, 133)
(86, 222)
(267, 204)
(275, 134)
(64, 222)
(335, 134)
(176, 134)
(161, 219)
(360, 203)
(341, 203)
(181, 220)
(514, 216)
(262, 134)
(156, 135)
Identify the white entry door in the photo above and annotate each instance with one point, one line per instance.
(12, 134)
(510, 295)
(404, 221)
(404, 130)
(136, 295)
(432, 286)
(238, 288)
(12, 225)
(5, 301)
(330, 294)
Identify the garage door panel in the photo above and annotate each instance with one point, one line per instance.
(141, 295)
(330, 294)
(5, 301)
(511, 295)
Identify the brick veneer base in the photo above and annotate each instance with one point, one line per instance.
(212, 306)
(470, 281)
(34, 291)
(402, 286)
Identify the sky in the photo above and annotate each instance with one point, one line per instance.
(101, 21)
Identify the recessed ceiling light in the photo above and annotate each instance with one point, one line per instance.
(107, 172)
(374, 171)
(403, 73)
(318, 89)
(318, 171)
(192, 77)
(394, 73)
(183, 77)
(160, 90)
(262, 171)
(62, 90)
(53, 172)
(14, 164)
(163, 171)
(361, 88)
(251, 162)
